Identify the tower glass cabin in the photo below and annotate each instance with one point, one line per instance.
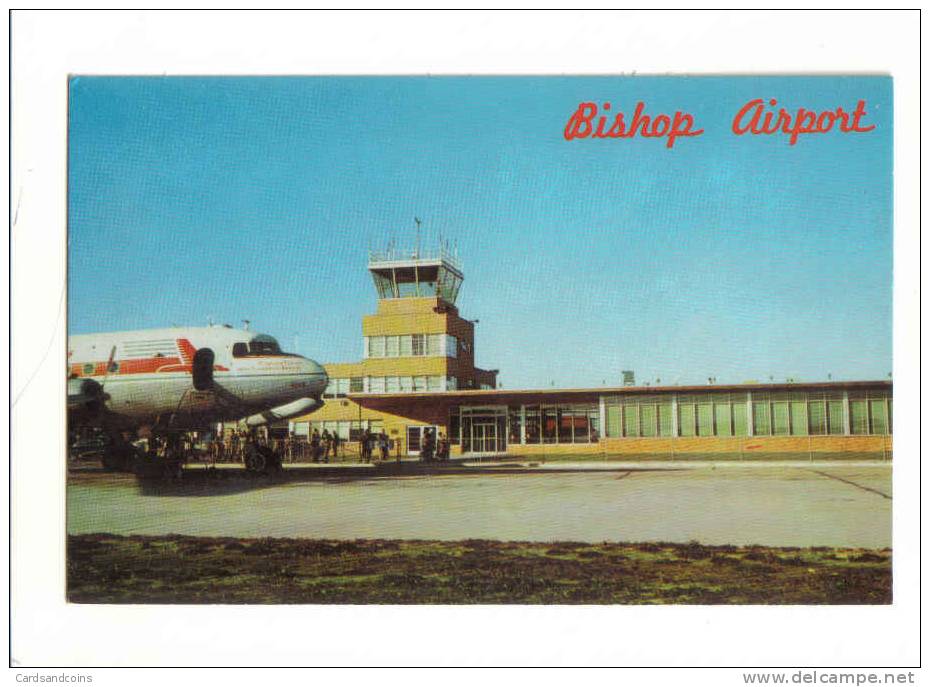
(416, 274)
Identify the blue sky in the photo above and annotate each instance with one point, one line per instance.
(741, 258)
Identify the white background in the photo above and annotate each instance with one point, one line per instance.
(46, 47)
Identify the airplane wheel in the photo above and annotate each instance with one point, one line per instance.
(255, 460)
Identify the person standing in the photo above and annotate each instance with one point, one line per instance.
(336, 441)
(365, 446)
(315, 445)
(384, 445)
(326, 444)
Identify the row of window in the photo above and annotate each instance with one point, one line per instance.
(772, 414)
(546, 424)
(339, 387)
(413, 345)
(575, 424)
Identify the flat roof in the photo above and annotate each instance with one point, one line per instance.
(472, 394)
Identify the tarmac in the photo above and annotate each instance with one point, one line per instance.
(777, 504)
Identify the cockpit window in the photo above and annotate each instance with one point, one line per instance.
(264, 345)
(260, 345)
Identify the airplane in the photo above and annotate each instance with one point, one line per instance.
(162, 382)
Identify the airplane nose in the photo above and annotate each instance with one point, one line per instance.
(315, 375)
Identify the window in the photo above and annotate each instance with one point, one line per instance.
(550, 423)
(514, 423)
(533, 428)
(648, 419)
(434, 383)
(686, 419)
(434, 344)
(877, 412)
(761, 418)
(630, 420)
(376, 385)
(452, 383)
(780, 422)
(705, 418)
(722, 419)
(858, 416)
(260, 345)
(264, 345)
(406, 384)
(419, 383)
(356, 385)
(665, 419)
(835, 412)
(817, 417)
(451, 347)
(337, 388)
(419, 344)
(798, 412)
(392, 385)
(613, 421)
(870, 412)
(740, 425)
(392, 346)
(406, 346)
(454, 425)
(375, 346)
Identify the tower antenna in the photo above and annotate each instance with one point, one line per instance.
(417, 220)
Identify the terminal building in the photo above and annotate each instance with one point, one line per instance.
(418, 372)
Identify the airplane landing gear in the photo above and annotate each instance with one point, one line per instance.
(259, 459)
(164, 458)
(118, 455)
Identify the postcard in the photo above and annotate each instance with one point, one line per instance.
(374, 344)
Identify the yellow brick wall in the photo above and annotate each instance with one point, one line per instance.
(398, 316)
(344, 409)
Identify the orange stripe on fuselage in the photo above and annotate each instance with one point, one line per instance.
(138, 366)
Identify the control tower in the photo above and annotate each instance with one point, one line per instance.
(417, 331)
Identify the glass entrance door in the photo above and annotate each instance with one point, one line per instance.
(484, 437)
(484, 430)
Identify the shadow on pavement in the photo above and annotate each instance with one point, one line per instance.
(225, 481)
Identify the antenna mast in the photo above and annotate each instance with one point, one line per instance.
(417, 220)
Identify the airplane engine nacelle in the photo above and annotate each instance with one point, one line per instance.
(85, 394)
(202, 369)
(301, 406)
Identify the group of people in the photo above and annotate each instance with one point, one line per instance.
(372, 444)
(324, 445)
(231, 446)
(433, 449)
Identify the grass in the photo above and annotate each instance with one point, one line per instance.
(104, 568)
